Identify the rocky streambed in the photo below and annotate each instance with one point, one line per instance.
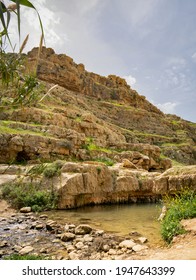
(28, 233)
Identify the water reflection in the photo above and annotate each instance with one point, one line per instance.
(122, 219)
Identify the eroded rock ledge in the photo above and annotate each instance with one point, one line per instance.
(88, 183)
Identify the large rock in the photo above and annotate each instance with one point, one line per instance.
(83, 229)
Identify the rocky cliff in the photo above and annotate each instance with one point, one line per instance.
(84, 117)
(90, 117)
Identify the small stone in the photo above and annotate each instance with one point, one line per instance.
(127, 244)
(43, 216)
(43, 251)
(106, 248)
(50, 224)
(3, 244)
(1, 253)
(71, 226)
(26, 250)
(25, 209)
(88, 238)
(73, 256)
(134, 233)
(83, 229)
(99, 232)
(70, 248)
(39, 226)
(138, 248)
(79, 245)
(142, 239)
(17, 248)
(56, 241)
(112, 252)
(66, 227)
(67, 236)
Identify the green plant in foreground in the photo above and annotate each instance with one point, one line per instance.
(12, 65)
(182, 206)
(26, 257)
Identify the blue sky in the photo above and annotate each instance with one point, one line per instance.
(152, 43)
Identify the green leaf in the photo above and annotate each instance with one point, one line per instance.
(24, 3)
(3, 10)
(30, 5)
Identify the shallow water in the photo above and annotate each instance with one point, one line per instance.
(120, 219)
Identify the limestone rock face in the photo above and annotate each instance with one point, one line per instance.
(96, 184)
(61, 69)
(81, 184)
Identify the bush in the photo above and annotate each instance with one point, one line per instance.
(21, 195)
(182, 206)
(53, 169)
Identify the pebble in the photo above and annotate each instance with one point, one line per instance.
(39, 226)
(112, 252)
(143, 239)
(67, 236)
(26, 250)
(127, 244)
(3, 244)
(138, 248)
(44, 216)
(73, 256)
(79, 245)
(25, 209)
(83, 229)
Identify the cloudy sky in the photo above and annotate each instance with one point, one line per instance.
(152, 43)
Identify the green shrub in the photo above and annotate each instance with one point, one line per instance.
(50, 171)
(21, 195)
(182, 206)
(53, 169)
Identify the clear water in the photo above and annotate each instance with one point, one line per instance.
(120, 219)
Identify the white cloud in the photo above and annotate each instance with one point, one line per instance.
(194, 57)
(130, 80)
(168, 107)
(177, 62)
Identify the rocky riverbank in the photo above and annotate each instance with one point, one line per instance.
(29, 233)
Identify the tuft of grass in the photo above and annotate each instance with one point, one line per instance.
(25, 257)
(107, 161)
(182, 206)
